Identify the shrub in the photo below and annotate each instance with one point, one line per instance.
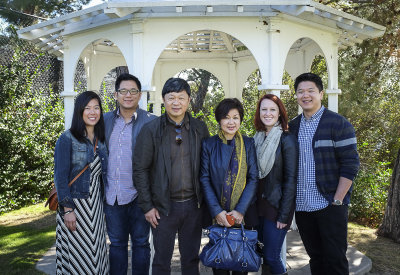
(369, 195)
(30, 124)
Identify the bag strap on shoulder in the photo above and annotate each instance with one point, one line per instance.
(84, 168)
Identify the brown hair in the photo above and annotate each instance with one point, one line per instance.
(283, 118)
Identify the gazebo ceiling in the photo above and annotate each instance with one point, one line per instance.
(48, 35)
(206, 41)
(203, 41)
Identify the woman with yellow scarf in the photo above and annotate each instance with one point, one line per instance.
(229, 171)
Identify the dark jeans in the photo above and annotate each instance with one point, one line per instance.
(272, 238)
(122, 221)
(324, 235)
(184, 218)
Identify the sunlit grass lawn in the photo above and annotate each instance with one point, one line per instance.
(25, 235)
(384, 253)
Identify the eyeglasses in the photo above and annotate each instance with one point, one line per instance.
(178, 137)
(131, 91)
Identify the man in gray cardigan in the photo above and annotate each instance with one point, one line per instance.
(123, 215)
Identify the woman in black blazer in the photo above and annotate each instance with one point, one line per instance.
(277, 152)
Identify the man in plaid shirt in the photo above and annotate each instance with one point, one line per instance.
(328, 164)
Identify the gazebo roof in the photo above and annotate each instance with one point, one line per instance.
(48, 35)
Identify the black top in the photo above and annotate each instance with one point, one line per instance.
(278, 188)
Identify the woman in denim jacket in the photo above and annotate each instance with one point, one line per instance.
(81, 238)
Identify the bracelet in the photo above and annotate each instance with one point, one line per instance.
(68, 211)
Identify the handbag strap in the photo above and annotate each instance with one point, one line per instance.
(84, 168)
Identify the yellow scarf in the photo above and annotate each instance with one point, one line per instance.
(237, 178)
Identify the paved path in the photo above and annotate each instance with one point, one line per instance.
(297, 259)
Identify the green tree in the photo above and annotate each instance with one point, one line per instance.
(369, 77)
(22, 13)
(207, 90)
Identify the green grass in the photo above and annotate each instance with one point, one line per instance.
(25, 235)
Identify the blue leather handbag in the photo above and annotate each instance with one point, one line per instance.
(231, 248)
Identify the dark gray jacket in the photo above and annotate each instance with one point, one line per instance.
(152, 165)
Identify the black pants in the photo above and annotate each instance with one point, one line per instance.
(184, 218)
(324, 235)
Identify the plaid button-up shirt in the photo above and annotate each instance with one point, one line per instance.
(308, 197)
(119, 176)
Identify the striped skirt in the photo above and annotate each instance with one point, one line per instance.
(84, 251)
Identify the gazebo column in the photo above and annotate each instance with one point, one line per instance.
(157, 98)
(333, 99)
(333, 91)
(90, 65)
(233, 90)
(157, 102)
(68, 94)
(273, 89)
(136, 61)
(95, 72)
(274, 65)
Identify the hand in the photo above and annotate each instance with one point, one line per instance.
(70, 219)
(221, 219)
(280, 225)
(152, 217)
(238, 216)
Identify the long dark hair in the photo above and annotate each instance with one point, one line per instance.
(78, 126)
(283, 118)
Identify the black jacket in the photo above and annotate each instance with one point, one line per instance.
(215, 160)
(280, 184)
(152, 165)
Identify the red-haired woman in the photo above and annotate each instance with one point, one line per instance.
(277, 155)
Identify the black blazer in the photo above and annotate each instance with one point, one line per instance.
(280, 184)
(215, 159)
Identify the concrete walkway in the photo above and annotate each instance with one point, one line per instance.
(297, 259)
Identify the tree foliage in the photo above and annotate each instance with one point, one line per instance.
(22, 13)
(369, 77)
(206, 90)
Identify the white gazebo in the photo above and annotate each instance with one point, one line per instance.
(156, 39)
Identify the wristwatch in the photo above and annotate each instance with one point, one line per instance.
(337, 202)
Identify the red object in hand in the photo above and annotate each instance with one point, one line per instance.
(230, 219)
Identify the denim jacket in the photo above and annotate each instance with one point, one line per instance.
(70, 157)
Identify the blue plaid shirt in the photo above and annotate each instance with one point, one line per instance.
(119, 177)
(308, 197)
